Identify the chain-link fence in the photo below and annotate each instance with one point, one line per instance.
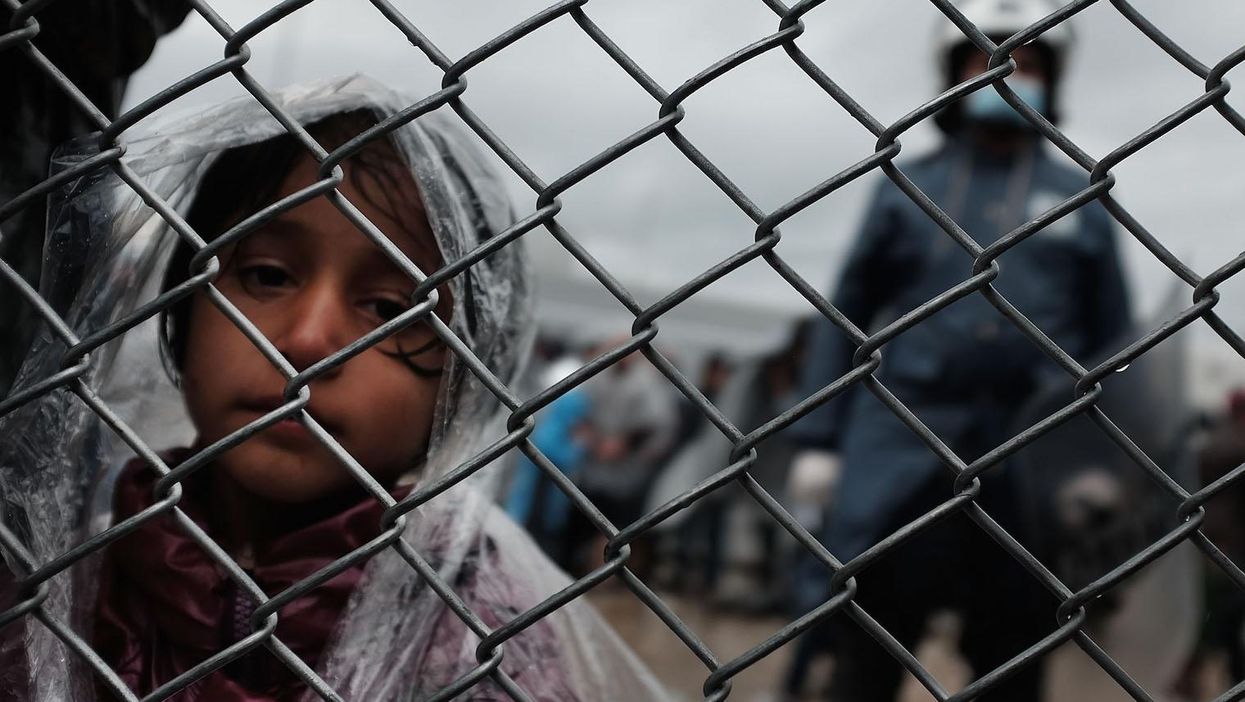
(23, 36)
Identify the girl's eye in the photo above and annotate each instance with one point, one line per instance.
(387, 309)
(265, 276)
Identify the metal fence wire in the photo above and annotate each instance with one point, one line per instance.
(23, 35)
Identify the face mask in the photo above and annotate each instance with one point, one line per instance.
(986, 106)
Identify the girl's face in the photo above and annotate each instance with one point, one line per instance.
(312, 283)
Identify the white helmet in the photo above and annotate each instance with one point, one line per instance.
(1000, 19)
(1003, 18)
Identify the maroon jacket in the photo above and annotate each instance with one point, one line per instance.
(164, 606)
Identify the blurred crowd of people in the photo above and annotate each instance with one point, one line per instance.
(630, 441)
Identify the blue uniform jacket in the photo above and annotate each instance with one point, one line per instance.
(967, 369)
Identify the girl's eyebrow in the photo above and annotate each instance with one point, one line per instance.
(374, 262)
(283, 225)
(423, 254)
(274, 230)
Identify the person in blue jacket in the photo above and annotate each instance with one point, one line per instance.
(964, 372)
(560, 434)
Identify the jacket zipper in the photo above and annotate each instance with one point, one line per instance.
(244, 670)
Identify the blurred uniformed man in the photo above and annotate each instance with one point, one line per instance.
(965, 371)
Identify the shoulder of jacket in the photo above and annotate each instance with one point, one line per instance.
(924, 164)
(925, 170)
(1061, 174)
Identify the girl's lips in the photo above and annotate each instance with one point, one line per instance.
(291, 429)
(290, 426)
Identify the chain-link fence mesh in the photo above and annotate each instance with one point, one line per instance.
(23, 36)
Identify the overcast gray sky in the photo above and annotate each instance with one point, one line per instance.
(656, 221)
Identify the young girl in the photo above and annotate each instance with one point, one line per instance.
(275, 493)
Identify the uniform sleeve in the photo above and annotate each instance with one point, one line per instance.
(1107, 313)
(865, 287)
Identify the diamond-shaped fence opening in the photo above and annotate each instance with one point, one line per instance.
(35, 40)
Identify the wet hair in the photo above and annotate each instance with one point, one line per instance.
(246, 178)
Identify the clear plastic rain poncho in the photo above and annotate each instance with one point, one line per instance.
(106, 255)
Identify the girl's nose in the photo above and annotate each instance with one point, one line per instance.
(313, 326)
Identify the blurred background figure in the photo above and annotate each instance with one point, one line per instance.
(690, 543)
(715, 373)
(1222, 636)
(562, 435)
(964, 371)
(633, 422)
(758, 553)
(811, 488)
(725, 546)
(96, 44)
